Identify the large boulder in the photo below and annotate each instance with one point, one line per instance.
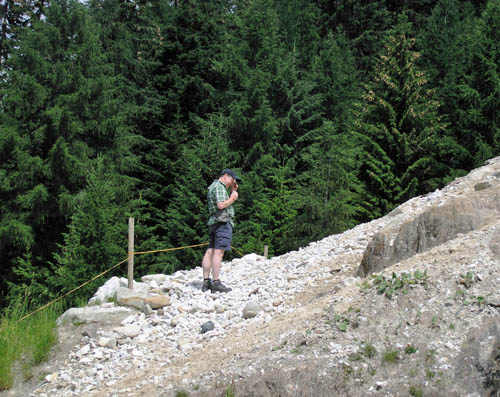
(107, 292)
(478, 364)
(103, 315)
(437, 224)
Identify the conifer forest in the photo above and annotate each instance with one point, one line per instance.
(333, 112)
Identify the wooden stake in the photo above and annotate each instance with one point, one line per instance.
(265, 250)
(130, 268)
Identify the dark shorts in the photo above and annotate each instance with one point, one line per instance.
(221, 235)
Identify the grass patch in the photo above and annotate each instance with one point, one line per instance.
(416, 391)
(410, 349)
(430, 356)
(369, 350)
(28, 341)
(390, 356)
(429, 374)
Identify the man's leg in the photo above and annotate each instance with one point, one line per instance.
(217, 256)
(206, 262)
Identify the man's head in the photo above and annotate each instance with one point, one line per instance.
(230, 174)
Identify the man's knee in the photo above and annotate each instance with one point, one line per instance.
(219, 253)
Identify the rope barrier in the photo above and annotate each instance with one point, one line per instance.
(169, 249)
(73, 290)
(239, 253)
(113, 267)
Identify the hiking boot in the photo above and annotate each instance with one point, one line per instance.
(217, 286)
(207, 285)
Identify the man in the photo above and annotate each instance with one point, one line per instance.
(220, 228)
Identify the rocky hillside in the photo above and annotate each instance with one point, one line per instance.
(406, 305)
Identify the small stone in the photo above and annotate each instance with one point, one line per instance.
(130, 331)
(51, 377)
(91, 332)
(83, 351)
(208, 326)
(146, 309)
(174, 322)
(251, 310)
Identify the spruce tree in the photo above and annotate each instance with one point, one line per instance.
(479, 90)
(446, 56)
(60, 105)
(399, 127)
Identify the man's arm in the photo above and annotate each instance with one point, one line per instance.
(221, 194)
(226, 203)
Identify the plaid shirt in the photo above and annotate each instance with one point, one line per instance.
(217, 191)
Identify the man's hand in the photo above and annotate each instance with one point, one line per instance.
(234, 187)
(234, 195)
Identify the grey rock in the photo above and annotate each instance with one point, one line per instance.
(208, 326)
(133, 298)
(129, 331)
(481, 186)
(101, 315)
(478, 364)
(251, 310)
(436, 225)
(90, 331)
(146, 309)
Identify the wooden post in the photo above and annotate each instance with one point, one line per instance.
(265, 250)
(130, 269)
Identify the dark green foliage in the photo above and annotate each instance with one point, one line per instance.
(60, 109)
(400, 127)
(479, 91)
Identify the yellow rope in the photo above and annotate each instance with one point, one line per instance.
(239, 253)
(111, 268)
(73, 290)
(169, 249)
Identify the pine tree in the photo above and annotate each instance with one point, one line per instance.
(61, 108)
(399, 127)
(446, 54)
(364, 23)
(326, 198)
(479, 90)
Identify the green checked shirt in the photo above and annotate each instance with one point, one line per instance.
(217, 191)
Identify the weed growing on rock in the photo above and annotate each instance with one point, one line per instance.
(410, 349)
(416, 391)
(429, 374)
(230, 392)
(369, 350)
(399, 283)
(355, 357)
(182, 393)
(342, 322)
(467, 279)
(390, 356)
(430, 356)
